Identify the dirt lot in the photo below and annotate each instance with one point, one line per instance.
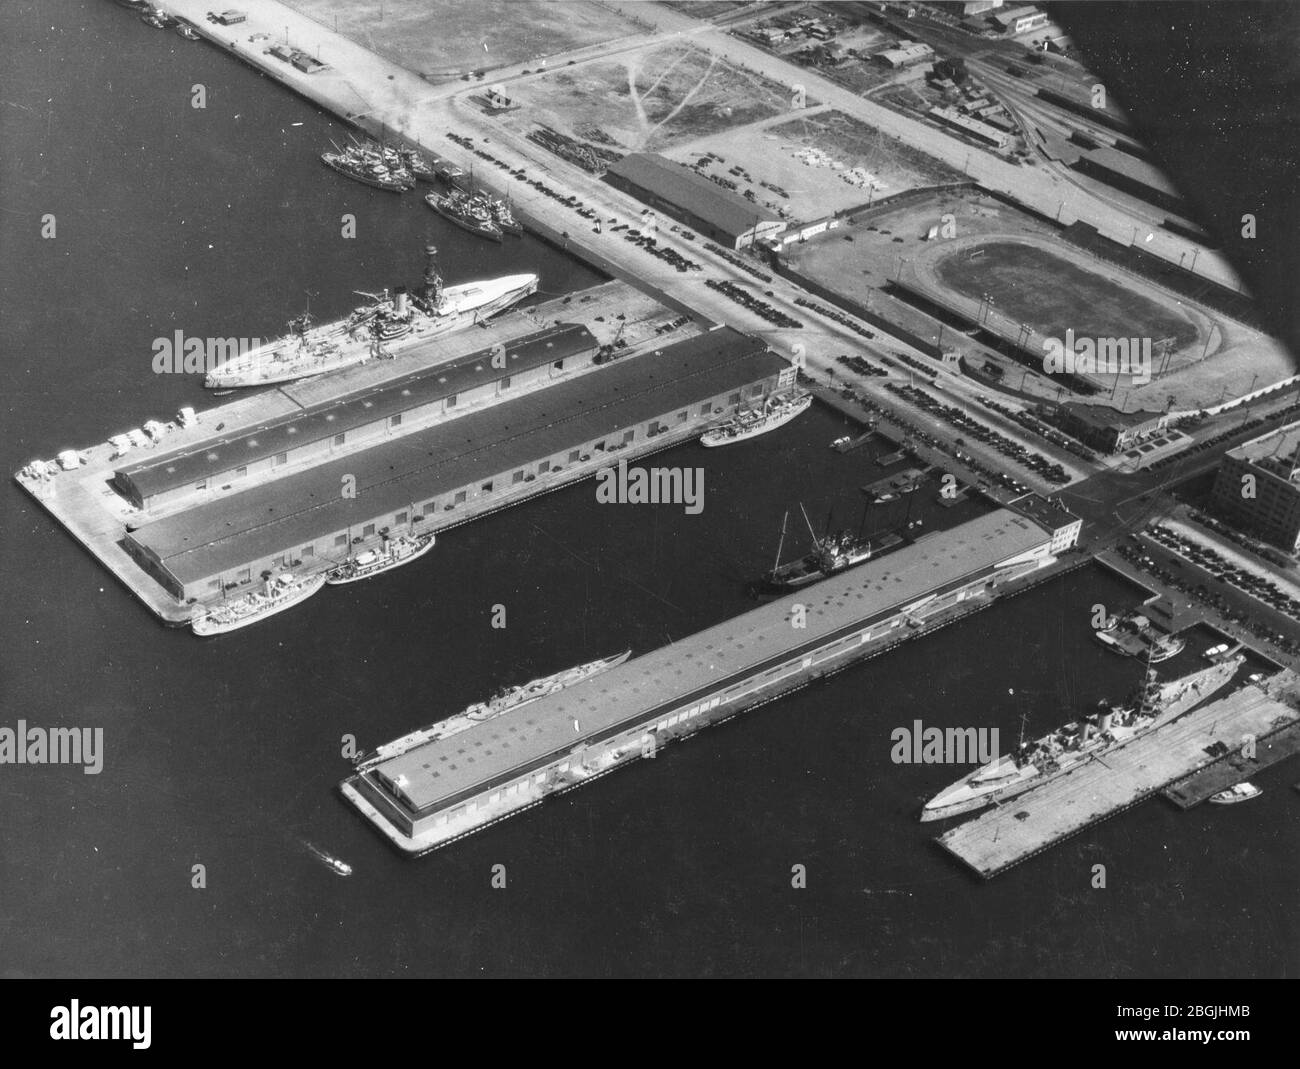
(651, 99)
(442, 38)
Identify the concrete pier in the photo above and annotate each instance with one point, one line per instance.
(85, 502)
(1039, 819)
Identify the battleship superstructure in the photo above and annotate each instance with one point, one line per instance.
(378, 329)
(1092, 737)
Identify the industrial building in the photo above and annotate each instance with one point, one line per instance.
(1258, 487)
(441, 790)
(1063, 526)
(1017, 20)
(454, 469)
(690, 198)
(1129, 174)
(1108, 430)
(906, 54)
(977, 129)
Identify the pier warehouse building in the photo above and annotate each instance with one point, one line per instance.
(447, 471)
(441, 790)
(344, 423)
(690, 198)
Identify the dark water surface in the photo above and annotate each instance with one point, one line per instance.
(225, 753)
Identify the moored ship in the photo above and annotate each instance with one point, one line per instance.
(391, 321)
(393, 554)
(777, 411)
(830, 554)
(282, 592)
(1152, 706)
(369, 168)
(502, 214)
(466, 212)
(1133, 636)
(505, 700)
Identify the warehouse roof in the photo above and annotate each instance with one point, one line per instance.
(236, 529)
(1130, 167)
(692, 192)
(188, 466)
(511, 744)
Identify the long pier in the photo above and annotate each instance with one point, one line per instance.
(1039, 819)
(84, 501)
(442, 789)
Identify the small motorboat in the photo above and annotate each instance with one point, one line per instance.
(1240, 792)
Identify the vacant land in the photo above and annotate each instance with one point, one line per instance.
(1051, 294)
(441, 39)
(651, 99)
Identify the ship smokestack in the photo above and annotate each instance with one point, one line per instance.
(1105, 720)
(399, 301)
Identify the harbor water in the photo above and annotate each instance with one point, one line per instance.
(226, 753)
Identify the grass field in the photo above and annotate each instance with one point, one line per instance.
(1052, 295)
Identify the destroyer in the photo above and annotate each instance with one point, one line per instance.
(1153, 705)
(393, 554)
(369, 169)
(505, 700)
(378, 329)
(777, 411)
(468, 213)
(282, 592)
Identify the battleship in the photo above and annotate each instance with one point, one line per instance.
(282, 592)
(830, 554)
(374, 330)
(1089, 738)
(468, 213)
(505, 700)
(777, 411)
(393, 554)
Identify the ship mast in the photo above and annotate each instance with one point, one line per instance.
(781, 544)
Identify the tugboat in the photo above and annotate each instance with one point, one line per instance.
(1239, 792)
(282, 592)
(503, 701)
(368, 169)
(830, 555)
(1153, 705)
(777, 411)
(466, 212)
(393, 554)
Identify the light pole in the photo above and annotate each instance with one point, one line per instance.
(1195, 253)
